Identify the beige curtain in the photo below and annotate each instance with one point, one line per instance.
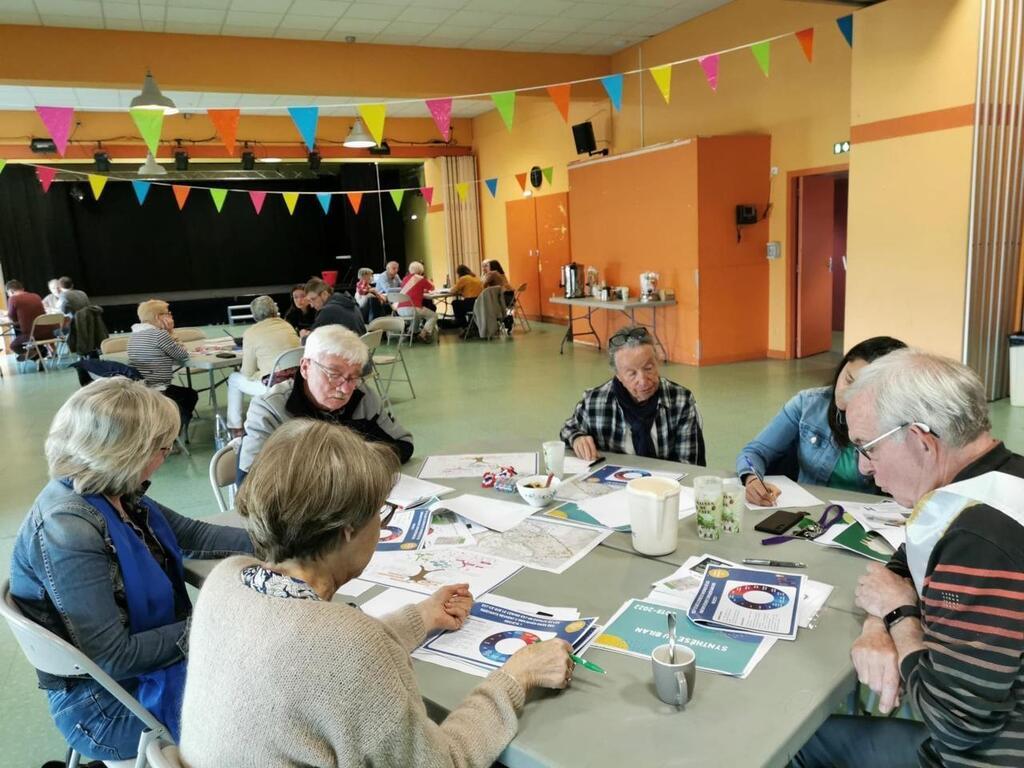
(461, 219)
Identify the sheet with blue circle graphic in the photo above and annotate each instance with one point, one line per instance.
(748, 599)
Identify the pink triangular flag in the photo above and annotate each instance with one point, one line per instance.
(441, 111)
(45, 174)
(710, 66)
(58, 122)
(257, 200)
(428, 195)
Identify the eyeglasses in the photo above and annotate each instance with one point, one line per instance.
(619, 338)
(864, 450)
(338, 379)
(386, 513)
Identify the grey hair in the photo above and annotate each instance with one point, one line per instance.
(311, 481)
(336, 340)
(910, 385)
(645, 341)
(106, 433)
(263, 307)
(415, 268)
(364, 272)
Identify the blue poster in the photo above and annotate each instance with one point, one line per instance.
(749, 600)
(405, 531)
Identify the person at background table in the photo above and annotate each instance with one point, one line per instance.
(809, 437)
(637, 411)
(300, 315)
(943, 628)
(156, 355)
(262, 343)
(328, 386)
(99, 563)
(71, 299)
(388, 281)
(467, 287)
(333, 307)
(494, 274)
(414, 286)
(372, 303)
(23, 307)
(344, 693)
(51, 301)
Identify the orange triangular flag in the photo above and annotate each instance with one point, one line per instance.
(226, 123)
(560, 95)
(806, 38)
(355, 199)
(521, 178)
(180, 194)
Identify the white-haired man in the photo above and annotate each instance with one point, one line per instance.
(944, 627)
(388, 280)
(328, 386)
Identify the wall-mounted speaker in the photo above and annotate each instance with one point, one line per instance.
(583, 135)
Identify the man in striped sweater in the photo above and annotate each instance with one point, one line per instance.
(945, 624)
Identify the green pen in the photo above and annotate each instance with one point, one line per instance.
(587, 664)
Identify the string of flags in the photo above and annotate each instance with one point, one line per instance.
(59, 120)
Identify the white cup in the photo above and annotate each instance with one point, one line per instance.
(654, 514)
(554, 456)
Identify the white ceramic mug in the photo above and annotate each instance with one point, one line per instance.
(654, 514)
(674, 682)
(554, 456)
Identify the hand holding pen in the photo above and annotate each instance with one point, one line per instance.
(757, 490)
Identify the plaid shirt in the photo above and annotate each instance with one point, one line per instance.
(677, 432)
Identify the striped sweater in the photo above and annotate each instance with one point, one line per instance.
(156, 354)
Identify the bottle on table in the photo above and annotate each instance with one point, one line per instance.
(707, 491)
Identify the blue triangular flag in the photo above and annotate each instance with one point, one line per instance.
(492, 185)
(845, 24)
(613, 85)
(141, 190)
(325, 200)
(305, 120)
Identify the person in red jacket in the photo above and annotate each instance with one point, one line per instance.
(23, 308)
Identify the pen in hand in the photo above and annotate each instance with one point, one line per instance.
(586, 664)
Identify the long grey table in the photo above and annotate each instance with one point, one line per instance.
(628, 307)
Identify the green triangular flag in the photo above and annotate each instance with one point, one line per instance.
(505, 101)
(218, 196)
(763, 53)
(2, 164)
(396, 197)
(549, 173)
(149, 122)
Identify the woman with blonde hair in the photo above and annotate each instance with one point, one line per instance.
(154, 352)
(414, 286)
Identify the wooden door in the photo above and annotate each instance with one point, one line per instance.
(815, 243)
(522, 267)
(555, 249)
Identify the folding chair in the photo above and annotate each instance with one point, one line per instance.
(56, 321)
(386, 359)
(489, 305)
(287, 361)
(114, 344)
(223, 471)
(410, 320)
(518, 311)
(183, 335)
(163, 754)
(408, 323)
(50, 654)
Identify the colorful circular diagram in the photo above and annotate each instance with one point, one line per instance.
(758, 597)
(390, 533)
(499, 646)
(625, 475)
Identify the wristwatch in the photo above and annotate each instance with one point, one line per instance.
(893, 617)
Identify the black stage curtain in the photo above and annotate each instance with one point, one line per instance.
(116, 246)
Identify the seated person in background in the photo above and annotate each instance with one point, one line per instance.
(71, 299)
(51, 301)
(809, 433)
(467, 287)
(388, 281)
(636, 412)
(262, 343)
(414, 286)
(329, 386)
(157, 355)
(99, 563)
(333, 307)
(300, 315)
(944, 628)
(372, 303)
(495, 275)
(22, 310)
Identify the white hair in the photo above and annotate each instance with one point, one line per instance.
(336, 340)
(364, 272)
(910, 385)
(263, 307)
(415, 268)
(390, 263)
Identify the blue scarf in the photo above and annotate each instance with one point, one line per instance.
(639, 417)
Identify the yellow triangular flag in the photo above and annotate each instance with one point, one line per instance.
(97, 183)
(373, 116)
(290, 199)
(463, 189)
(663, 77)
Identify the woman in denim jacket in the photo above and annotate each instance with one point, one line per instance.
(100, 564)
(809, 437)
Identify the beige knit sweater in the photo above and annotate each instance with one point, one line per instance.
(278, 681)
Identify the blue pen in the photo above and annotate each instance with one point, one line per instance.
(756, 474)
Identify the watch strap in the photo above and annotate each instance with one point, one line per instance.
(896, 615)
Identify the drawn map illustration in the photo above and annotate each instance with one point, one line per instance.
(474, 465)
(541, 544)
(427, 570)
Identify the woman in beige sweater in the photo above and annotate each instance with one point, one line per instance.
(279, 675)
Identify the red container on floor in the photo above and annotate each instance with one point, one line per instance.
(330, 276)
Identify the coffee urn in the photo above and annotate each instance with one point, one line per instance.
(572, 280)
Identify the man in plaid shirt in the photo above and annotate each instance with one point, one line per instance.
(636, 412)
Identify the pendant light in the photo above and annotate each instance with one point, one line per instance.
(151, 167)
(152, 98)
(358, 138)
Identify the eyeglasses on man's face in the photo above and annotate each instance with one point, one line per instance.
(337, 378)
(865, 449)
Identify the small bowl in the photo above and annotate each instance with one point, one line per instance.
(537, 497)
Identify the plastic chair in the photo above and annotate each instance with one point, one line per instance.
(54, 320)
(518, 311)
(183, 335)
(287, 360)
(163, 754)
(114, 344)
(52, 655)
(223, 471)
(408, 323)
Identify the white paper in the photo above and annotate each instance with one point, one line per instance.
(793, 495)
(447, 529)
(574, 466)
(427, 570)
(491, 513)
(474, 465)
(887, 518)
(541, 610)
(409, 490)
(389, 601)
(353, 588)
(612, 509)
(541, 543)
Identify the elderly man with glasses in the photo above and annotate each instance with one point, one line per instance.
(636, 411)
(944, 626)
(329, 386)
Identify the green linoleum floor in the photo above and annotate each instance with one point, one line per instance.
(470, 395)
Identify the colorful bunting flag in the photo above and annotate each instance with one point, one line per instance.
(505, 101)
(396, 198)
(845, 24)
(373, 115)
(355, 199)
(257, 200)
(521, 178)
(97, 183)
(149, 122)
(492, 186)
(180, 194)
(2, 164)
(710, 66)
(806, 38)
(763, 53)
(45, 175)
(613, 86)
(290, 199)
(560, 95)
(428, 195)
(58, 122)
(663, 79)
(462, 188)
(549, 173)
(305, 119)
(218, 196)
(225, 121)
(325, 200)
(441, 111)
(141, 190)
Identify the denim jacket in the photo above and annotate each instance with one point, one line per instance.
(65, 576)
(800, 431)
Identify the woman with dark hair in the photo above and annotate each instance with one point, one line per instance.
(464, 292)
(495, 275)
(809, 434)
(300, 314)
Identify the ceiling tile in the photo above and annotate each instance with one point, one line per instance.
(386, 38)
(76, 22)
(499, 35)
(357, 27)
(251, 19)
(262, 6)
(19, 17)
(68, 7)
(216, 5)
(577, 39)
(319, 7)
(126, 25)
(17, 6)
(97, 97)
(474, 18)
(589, 11)
(299, 21)
(522, 21)
(188, 28)
(152, 12)
(153, 25)
(605, 27)
(428, 15)
(632, 13)
(121, 11)
(452, 32)
(451, 5)
(409, 28)
(194, 16)
(542, 36)
(369, 11)
(243, 30)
